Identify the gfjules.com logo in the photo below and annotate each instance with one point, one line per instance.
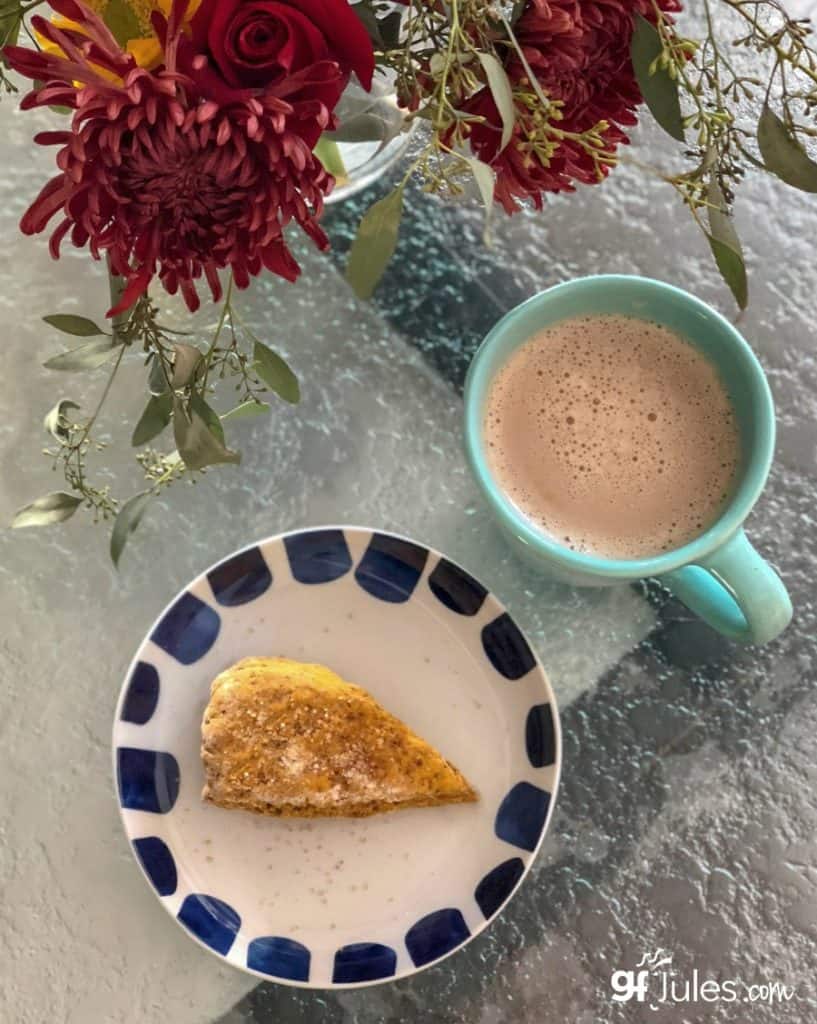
(656, 983)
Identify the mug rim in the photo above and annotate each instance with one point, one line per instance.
(732, 517)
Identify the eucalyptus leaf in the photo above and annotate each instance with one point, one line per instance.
(86, 357)
(246, 410)
(54, 421)
(55, 507)
(10, 22)
(390, 29)
(185, 363)
(732, 268)
(374, 243)
(381, 123)
(127, 520)
(384, 32)
(356, 100)
(327, 151)
(501, 91)
(79, 326)
(366, 14)
(122, 21)
(275, 373)
(363, 128)
(195, 441)
(486, 182)
(659, 89)
(725, 244)
(157, 380)
(208, 414)
(782, 153)
(154, 419)
(720, 223)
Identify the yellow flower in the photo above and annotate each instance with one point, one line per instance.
(145, 49)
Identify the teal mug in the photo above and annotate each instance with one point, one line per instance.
(718, 575)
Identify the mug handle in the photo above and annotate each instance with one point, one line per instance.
(735, 591)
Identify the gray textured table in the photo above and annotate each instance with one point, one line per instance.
(687, 816)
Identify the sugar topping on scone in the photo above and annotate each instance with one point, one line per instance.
(281, 737)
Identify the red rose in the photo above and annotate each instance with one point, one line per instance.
(260, 43)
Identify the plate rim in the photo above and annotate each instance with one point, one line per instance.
(278, 538)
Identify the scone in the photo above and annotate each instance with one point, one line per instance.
(284, 738)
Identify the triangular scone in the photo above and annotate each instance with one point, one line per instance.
(284, 738)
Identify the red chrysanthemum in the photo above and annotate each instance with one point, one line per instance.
(172, 172)
(579, 51)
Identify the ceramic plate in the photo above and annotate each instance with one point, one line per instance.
(335, 902)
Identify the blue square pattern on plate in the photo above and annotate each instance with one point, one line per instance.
(279, 957)
(363, 961)
(240, 579)
(158, 863)
(141, 694)
(390, 571)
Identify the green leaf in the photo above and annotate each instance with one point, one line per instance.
(502, 93)
(197, 444)
(390, 29)
(79, 326)
(86, 357)
(127, 520)
(486, 181)
(10, 23)
(121, 19)
(368, 117)
(154, 419)
(659, 90)
(275, 373)
(185, 363)
(725, 245)
(55, 420)
(157, 381)
(326, 150)
(368, 18)
(209, 415)
(732, 268)
(374, 243)
(246, 410)
(782, 153)
(51, 508)
(363, 128)
(383, 32)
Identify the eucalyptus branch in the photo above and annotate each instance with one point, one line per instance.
(226, 312)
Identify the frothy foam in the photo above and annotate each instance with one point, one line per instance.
(614, 435)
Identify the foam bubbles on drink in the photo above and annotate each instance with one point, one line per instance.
(614, 435)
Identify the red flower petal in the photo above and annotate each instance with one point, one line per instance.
(174, 172)
(136, 287)
(350, 46)
(580, 54)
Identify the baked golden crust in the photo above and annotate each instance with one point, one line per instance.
(284, 738)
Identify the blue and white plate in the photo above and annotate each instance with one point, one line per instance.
(330, 903)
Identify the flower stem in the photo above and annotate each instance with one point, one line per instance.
(225, 309)
(116, 286)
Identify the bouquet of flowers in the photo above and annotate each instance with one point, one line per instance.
(193, 136)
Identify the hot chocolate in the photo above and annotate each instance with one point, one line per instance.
(613, 435)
